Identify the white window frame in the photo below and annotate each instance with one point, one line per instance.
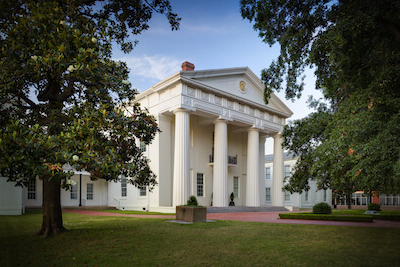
(89, 191)
(268, 195)
(200, 184)
(142, 191)
(306, 196)
(142, 146)
(287, 171)
(32, 189)
(287, 196)
(268, 173)
(237, 186)
(124, 187)
(74, 192)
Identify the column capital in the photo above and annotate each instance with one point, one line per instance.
(277, 135)
(220, 120)
(178, 110)
(253, 129)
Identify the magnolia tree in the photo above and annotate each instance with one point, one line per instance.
(65, 101)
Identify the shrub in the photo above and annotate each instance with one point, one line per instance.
(374, 206)
(192, 201)
(322, 208)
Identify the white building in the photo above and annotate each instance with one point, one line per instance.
(307, 199)
(214, 125)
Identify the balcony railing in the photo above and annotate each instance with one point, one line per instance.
(231, 159)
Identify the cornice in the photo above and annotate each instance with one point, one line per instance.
(218, 92)
(189, 78)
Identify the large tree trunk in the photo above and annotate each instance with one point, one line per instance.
(52, 216)
(348, 200)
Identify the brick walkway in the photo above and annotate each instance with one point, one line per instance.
(263, 217)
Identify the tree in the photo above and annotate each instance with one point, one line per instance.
(60, 52)
(354, 49)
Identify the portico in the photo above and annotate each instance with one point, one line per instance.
(217, 124)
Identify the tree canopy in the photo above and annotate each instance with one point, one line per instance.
(354, 48)
(65, 101)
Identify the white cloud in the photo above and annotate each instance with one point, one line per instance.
(154, 67)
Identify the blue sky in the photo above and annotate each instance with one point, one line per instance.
(212, 35)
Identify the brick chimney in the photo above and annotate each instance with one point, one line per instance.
(187, 66)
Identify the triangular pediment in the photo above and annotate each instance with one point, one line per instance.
(241, 83)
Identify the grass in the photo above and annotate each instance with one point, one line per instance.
(136, 212)
(120, 241)
(344, 215)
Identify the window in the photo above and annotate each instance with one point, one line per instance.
(32, 189)
(324, 195)
(267, 173)
(268, 194)
(89, 192)
(142, 146)
(306, 195)
(124, 191)
(142, 191)
(287, 171)
(287, 195)
(200, 184)
(74, 191)
(236, 186)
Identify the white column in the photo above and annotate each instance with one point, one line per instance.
(278, 196)
(253, 169)
(220, 183)
(181, 189)
(262, 169)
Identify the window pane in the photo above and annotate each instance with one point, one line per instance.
(200, 184)
(268, 194)
(143, 191)
(74, 191)
(287, 171)
(267, 173)
(89, 191)
(32, 190)
(236, 186)
(123, 187)
(306, 195)
(287, 196)
(142, 147)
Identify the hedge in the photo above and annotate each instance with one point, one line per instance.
(389, 217)
(325, 217)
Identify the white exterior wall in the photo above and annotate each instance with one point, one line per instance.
(297, 200)
(100, 193)
(11, 202)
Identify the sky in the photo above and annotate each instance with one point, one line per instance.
(212, 35)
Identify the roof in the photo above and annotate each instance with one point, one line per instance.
(209, 81)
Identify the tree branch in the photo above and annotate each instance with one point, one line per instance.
(391, 27)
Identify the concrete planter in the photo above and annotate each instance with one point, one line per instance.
(191, 214)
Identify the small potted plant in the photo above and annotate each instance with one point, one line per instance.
(232, 197)
(191, 212)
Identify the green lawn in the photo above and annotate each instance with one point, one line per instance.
(136, 212)
(119, 241)
(355, 215)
